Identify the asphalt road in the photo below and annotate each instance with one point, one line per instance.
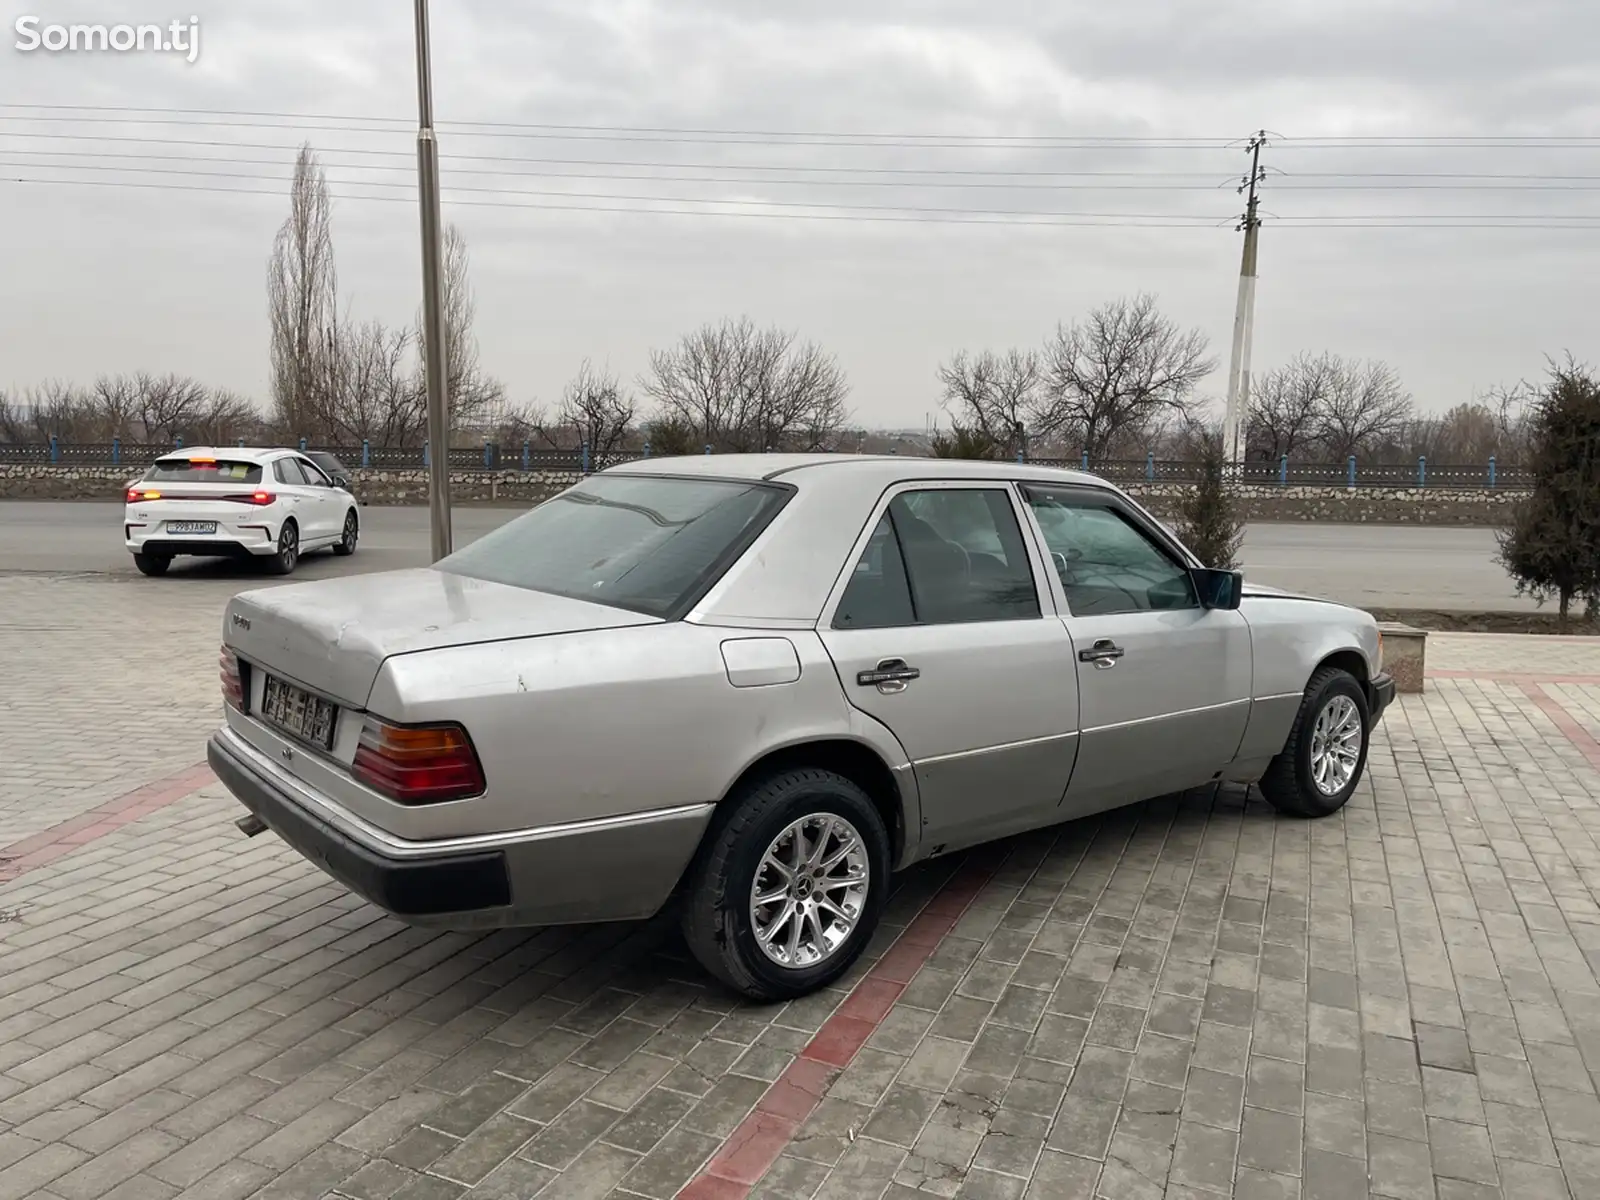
(1386, 566)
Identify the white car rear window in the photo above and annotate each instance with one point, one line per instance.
(202, 470)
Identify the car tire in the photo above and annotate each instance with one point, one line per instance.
(724, 924)
(152, 564)
(287, 556)
(346, 545)
(1308, 777)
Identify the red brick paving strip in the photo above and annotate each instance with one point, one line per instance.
(1564, 721)
(19, 858)
(755, 1145)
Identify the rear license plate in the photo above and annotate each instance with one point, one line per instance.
(191, 526)
(298, 713)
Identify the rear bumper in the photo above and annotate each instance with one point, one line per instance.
(219, 547)
(617, 869)
(1380, 694)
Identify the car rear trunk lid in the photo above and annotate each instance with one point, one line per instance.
(332, 636)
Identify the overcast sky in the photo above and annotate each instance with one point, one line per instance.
(107, 276)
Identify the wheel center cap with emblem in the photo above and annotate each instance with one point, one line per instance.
(804, 886)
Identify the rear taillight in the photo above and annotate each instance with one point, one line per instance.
(137, 494)
(261, 499)
(417, 764)
(232, 680)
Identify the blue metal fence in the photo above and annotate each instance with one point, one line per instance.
(1282, 472)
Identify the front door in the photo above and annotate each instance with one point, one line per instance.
(325, 499)
(1164, 683)
(940, 633)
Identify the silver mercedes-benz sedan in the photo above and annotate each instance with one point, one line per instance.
(766, 682)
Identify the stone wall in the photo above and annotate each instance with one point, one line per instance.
(1261, 502)
(1361, 505)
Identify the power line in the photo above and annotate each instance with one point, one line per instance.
(1506, 181)
(974, 217)
(666, 135)
(231, 116)
(757, 202)
(1210, 219)
(1028, 180)
(586, 208)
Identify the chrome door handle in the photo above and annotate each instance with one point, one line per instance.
(890, 675)
(1103, 654)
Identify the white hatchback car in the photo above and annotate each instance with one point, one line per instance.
(237, 503)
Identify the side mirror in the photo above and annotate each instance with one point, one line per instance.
(1218, 589)
(342, 481)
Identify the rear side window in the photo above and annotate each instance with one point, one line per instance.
(202, 470)
(651, 544)
(942, 556)
(878, 595)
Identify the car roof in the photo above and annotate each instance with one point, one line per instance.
(820, 469)
(784, 579)
(254, 454)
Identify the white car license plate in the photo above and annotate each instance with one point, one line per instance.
(191, 526)
(298, 713)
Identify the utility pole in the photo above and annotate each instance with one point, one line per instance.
(435, 350)
(1237, 411)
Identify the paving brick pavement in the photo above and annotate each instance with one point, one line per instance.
(1187, 998)
(109, 685)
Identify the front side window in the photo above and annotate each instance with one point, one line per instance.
(942, 556)
(288, 472)
(313, 473)
(1105, 563)
(650, 544)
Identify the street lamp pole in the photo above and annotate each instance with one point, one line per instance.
(435, 351)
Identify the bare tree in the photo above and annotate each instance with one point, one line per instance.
(1286, 406)
(137, 408)
(994, 396)
(170, 406)
(302, 296)
(373, 393)
(745, 389)
(1364, 405)
(55, 409)
(471, 396)
(597, 410)
(1121, 368)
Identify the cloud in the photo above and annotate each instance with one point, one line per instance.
(111, 276)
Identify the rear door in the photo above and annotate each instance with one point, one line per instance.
(941, 632)
(1164, 684)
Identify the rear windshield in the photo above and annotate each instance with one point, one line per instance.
(202, 470)
(646, 543)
